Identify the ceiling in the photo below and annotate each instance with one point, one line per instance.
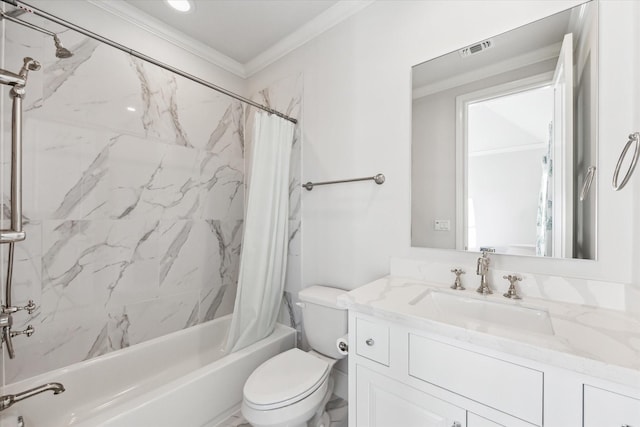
(238, 29)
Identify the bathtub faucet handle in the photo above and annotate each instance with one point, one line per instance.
(28, 332)
(30, 307)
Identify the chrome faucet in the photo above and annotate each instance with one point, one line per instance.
(482, 269)
(9, 399)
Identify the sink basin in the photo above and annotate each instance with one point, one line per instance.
(482, 313)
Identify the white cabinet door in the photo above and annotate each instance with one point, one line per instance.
(603, 408)
(474, 420)
(383, 402)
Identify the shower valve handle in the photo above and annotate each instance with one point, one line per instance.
(28, 332)
(30, 307)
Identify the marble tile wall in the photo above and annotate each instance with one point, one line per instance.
(133, 201)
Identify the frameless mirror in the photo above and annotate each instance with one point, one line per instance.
(504, 142)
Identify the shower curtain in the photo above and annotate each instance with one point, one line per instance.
(544, 238)
(263, 260)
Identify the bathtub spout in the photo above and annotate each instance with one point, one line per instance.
(9, 399)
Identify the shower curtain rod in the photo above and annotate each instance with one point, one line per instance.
(144, 57)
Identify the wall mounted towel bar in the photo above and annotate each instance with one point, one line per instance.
(379, 179)
(634, 138)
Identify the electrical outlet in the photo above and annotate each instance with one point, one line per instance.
(442, 225)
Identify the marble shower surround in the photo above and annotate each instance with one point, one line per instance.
(133, 202)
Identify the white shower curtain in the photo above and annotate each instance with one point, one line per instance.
(544, 238)
(263, 260)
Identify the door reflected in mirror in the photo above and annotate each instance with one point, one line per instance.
(503, 136)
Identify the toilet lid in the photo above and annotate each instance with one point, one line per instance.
(285, 379)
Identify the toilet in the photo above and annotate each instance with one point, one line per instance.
(292, 388)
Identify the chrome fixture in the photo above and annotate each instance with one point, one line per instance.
(482, 269)
(634, 138)
(41, 13)
(457, 284)
(18, 83)
(512, 292)
(588, 180)
(61, 51)
(8, 400)
(378, 179)
(15, 233)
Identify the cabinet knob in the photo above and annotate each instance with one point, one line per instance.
(456, 424)
(370, 342)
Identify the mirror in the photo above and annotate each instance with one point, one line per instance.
(504, 142)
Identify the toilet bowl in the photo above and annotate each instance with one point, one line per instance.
(288, 390)
(292, 388)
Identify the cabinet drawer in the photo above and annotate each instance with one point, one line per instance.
(606, 408)
(372, 341)
(507, 387)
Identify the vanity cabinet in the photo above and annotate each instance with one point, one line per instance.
(383, 402)
(474, 420)
(403, 376)
(514, 389)
(606, 408)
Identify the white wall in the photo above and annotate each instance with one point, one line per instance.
(357, 100)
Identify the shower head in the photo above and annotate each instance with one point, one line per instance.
(61, 51)
(30, 64)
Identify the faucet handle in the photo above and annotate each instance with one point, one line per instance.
(30, 307)
(512, 292)
(512, 278)
(28, 332)
(457, 284)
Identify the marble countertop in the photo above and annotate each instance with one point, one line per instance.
(593, 341)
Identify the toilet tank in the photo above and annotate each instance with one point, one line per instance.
(324, 321)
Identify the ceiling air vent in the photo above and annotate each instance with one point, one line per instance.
(476, 48)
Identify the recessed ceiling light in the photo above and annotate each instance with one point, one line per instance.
(180, 5)
(132, 109)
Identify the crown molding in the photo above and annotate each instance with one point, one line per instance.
(321, 23)
(158, 28)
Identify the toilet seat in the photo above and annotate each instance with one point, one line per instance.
(285, 379)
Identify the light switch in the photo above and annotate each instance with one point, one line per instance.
(442, 225)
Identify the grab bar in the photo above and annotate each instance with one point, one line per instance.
(634, 137)
(588, 180)
(378, 179)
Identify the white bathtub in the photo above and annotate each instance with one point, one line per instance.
(179, 380)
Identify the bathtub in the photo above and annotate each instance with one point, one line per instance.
(179, 380)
